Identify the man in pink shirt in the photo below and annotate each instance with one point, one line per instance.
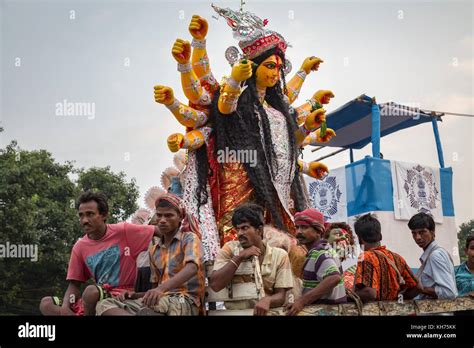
(107, 254)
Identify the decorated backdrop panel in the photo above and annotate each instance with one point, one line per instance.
(394, 191)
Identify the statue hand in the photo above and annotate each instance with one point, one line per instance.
(175, 142)
(198, 27)
(330, 133)
(323, 96)
(242, 71)
(317, 170)
(181, 51)
(311, 63)
(315, 119)
(164, 95)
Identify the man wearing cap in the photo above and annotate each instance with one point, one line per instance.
(322, 279)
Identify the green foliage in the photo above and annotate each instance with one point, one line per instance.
(122, 196)
(465, 230)
(37, 207)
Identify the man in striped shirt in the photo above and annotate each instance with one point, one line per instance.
(322, 273)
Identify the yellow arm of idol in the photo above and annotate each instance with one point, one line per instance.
(293, 87)
(315, 138)
(302, 112)
(319, 99)
(192, 89)
(315, 170)
(186, 115)
(200, 61)
(312, 122)
(230, 91)
(192, 140)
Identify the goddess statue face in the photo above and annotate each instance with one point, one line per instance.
(268, 72)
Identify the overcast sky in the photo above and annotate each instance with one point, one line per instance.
(110, 54)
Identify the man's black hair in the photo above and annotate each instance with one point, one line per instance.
(251, 213)
(368, 229)
(98, 197)
(469, 239)
(420, 221)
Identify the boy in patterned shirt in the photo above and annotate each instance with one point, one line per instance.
(177, 273)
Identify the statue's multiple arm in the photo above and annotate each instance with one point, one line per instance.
(317, 101)
(315, 138)
(197, 80)
(192, 140)
(194, 67)
(293, 87)
(314, 169)
(186, 115)
(231, 90)
(200, 61)
(192, 88)
(312, 122)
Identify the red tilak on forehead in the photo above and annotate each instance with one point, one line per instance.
(278, 62)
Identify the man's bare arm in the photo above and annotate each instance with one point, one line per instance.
(322, 289)
(188, 271)
(264, 304)
(367, 294)
(71, 296)
(221, 278)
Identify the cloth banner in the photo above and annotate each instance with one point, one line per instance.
(416, 188)
(329, 195)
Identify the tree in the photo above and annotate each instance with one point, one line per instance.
(466, 229)
(122, 196)
(38, 208)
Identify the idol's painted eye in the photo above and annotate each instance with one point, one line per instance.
(270, 65)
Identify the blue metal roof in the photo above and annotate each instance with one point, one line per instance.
(352, 122)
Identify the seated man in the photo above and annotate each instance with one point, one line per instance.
(436, 273)
(381, 274)
(177, 274)
(322, 273)
(465, 271)
(106, 254)
(274, 263)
